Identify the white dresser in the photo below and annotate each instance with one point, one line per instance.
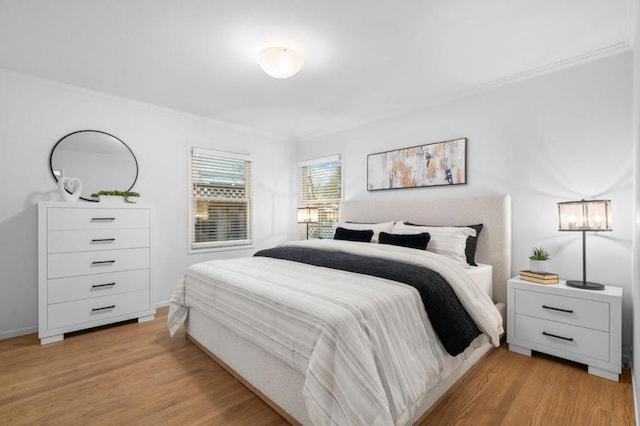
(581, 325)
(93, 266)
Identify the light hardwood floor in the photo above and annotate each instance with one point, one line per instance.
(135, 374)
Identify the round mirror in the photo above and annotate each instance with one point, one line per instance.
(101, 161)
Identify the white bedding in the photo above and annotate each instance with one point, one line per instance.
(482, 275)
(364, 344)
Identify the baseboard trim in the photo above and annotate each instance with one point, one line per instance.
(15, 333)
(29, 330)
(635, 396)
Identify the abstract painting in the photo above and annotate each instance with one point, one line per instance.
(435, 164)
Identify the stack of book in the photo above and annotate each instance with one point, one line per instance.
(539, 277)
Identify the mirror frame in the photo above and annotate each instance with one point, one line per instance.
(135, 160)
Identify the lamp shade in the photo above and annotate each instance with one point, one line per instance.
(307, 215)
(280, 62)
(585, 215)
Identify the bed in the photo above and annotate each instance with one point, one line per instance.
(362, 369)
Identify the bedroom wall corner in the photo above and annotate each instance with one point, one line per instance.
(635, 352)
(36, 113)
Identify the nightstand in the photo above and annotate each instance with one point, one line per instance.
(579, 325)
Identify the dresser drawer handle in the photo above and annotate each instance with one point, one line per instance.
(569, 339)
(106, 308)
(103, 219)
(103, 285)
(569, 311)
(103, 240)
(103, 262)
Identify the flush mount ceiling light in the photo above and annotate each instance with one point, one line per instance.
(280, 62)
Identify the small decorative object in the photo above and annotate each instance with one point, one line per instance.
(70, 188)
(539, 277)
(307, 215)
(115, 196)
(583, 216)
(435, 164)
(538, 260)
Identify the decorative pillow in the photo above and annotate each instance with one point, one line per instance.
(375, 227)
(472, 241)
(450, 241)
(415, 241)
(363, 236)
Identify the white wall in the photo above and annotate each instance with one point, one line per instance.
(35, 113)
(636, 252)
(556, 137)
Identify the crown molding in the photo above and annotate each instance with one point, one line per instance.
(143, 104)
(604, 52)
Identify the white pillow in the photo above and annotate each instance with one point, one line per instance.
(449, 241)
(375, 227)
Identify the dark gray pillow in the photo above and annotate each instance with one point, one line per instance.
(363, 236)
(415, 241)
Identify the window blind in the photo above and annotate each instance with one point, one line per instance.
(221, 199)
(321, 187)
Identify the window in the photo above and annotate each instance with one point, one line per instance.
(321, 187)
(220, 190)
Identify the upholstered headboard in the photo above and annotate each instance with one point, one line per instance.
(492, 210)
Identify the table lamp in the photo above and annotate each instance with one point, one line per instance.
(583, 216)
(307, 215)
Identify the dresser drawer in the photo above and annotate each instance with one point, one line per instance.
(581, 341)
(87, 286)
(96, 262)
(74, 218)
(96, 309)
(569, 310)
(98, 239)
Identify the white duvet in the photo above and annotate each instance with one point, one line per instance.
(364, 344)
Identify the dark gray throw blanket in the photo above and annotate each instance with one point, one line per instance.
(450, 320)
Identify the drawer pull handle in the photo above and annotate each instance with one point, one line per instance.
(103, 219)
(103, 262)
(569, 339)
(106, 308)
(569, 311)
(103, 240)
(103, 285)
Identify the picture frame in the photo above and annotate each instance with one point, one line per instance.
(434, 164)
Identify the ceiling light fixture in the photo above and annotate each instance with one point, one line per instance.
(280, 62)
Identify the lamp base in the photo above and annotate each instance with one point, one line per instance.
(585, 285)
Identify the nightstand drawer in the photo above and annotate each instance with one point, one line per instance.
(582, 341)
(73, 218)
(97, 309)
(96, 262)
(93, 240)
(568, 310)
(97, 285)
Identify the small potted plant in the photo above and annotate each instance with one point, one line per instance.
(115, 196)
(538, 259)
